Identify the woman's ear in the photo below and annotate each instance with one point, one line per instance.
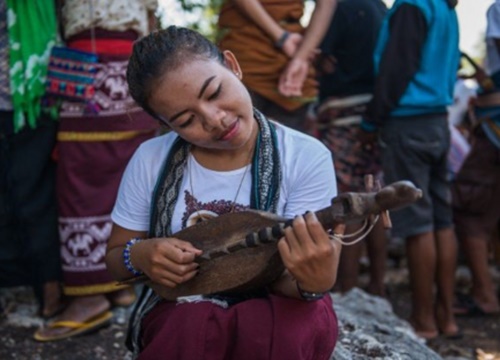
(232, 63)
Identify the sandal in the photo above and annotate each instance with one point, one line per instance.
(76, 328)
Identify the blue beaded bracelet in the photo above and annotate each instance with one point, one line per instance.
(126, 256)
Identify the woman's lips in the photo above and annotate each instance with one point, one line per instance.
(231, 131)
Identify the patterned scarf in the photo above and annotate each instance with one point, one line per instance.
(32, 30)
(266, 180)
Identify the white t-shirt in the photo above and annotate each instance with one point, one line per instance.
(492, 33)
(308, 183)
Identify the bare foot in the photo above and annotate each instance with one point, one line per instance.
(487, 302)
(79, 310)
(124, 297)
(52, 299)
(446, 322)
(423, 330)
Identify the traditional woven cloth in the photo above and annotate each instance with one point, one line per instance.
(338, 122)
(94, 150)
(32, 24)
(266, 179)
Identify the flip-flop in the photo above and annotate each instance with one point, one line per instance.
(467, 306)
(77, 328)
(452, 336)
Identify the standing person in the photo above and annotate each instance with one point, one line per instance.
(346, 78)
(416, 59)
(275, 53)
(476, 189)
(493, 43)
(222, 155)
(29, 242)
(94, 149)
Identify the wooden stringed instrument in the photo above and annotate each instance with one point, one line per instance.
(239, 249)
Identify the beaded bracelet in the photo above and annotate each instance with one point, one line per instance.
(126, 256)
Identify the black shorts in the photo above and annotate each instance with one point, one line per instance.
(415, 148)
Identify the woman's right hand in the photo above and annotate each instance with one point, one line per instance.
(291, 44)
(166, 261)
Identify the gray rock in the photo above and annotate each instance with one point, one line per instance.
(368, 328)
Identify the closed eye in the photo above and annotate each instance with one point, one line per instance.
(187, 122)
(216, 93)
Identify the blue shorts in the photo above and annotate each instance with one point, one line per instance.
(415, 148)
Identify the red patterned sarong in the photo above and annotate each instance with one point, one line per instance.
(93, 151)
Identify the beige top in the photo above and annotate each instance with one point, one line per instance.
(113, 15)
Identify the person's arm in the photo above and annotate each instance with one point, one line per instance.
(292, 79)
(315, 31)
(325, 63)
(254, 10)
(166, 261)
(310, 257)
(400, 61)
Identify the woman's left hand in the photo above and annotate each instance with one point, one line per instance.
(309, 254)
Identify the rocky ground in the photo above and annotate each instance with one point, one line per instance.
(18, 322)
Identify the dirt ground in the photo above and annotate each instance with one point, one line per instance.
(481, 339)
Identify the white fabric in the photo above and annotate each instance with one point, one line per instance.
(113, 15)
(464, 91)
(308, 182)
(492, 32)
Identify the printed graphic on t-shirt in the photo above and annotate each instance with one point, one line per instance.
(197, 211)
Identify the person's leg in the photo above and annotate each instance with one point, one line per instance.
(348, 271)
(376, 244)
(32, 202)
(483, 289)
(421, 254)
(476, 191)
(445, 278)
(124, 297)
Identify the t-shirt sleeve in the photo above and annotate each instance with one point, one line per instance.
(493, 21)
(132, 206)
(313, 184)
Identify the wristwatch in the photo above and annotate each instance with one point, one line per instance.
(309, 296)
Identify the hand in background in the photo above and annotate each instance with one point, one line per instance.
(293, 77)
(291, 44)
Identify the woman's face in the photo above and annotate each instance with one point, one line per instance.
(206, 104)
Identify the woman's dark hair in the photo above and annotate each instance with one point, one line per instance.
(163, 51)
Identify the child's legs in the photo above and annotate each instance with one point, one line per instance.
(476, 191)
(348, 271)
(445, 278)
(376, 244)
(422, 255)
(483, 289)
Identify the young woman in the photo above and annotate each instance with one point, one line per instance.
(222, 155)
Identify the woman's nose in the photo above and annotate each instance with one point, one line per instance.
(214, 118)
